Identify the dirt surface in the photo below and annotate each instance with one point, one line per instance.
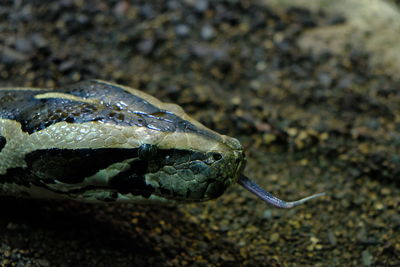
(309, 123)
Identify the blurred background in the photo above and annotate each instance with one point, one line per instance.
(310, 88)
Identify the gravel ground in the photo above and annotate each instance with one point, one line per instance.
(310, 122)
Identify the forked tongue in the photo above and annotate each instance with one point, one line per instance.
(267, 197)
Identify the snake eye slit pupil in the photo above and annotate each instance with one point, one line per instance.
(147, 151)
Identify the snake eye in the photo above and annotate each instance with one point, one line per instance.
(147, 151)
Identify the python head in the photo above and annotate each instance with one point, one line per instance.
(101, 142)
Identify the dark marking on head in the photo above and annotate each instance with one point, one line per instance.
(113, 105)
(46, 168)
(133, 180)
(3, 142)
(18, 176)
(147, 151)
(178, 156)
(74, 165)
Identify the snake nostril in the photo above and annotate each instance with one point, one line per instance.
(217, 156)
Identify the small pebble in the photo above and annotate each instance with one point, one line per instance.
(367, 258)
(182, 30)
(274, 237)
(267, 215)
(146, 46)
(201, 5)
(207, 32)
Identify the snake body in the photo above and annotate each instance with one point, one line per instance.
(96, 141)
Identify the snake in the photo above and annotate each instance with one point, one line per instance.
(96, 141)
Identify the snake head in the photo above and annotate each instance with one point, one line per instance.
(97, 141)
(190, 175)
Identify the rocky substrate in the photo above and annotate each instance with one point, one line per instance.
(311, 117)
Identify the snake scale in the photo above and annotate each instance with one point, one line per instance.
(96, 141)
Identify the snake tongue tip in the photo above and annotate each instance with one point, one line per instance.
(269, 198)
